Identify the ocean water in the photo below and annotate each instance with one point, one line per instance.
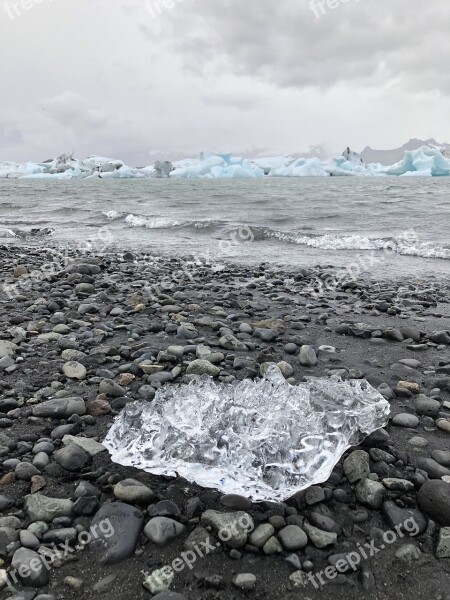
(381, 226)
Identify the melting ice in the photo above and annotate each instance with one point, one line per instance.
(426, 161)
(262, 439)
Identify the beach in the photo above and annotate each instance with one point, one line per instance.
(75, 329)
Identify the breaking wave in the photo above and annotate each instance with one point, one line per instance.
(356, 242)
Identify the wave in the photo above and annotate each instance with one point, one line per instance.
(356, 242)
(132, 220)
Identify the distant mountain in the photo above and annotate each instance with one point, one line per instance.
(389, 157)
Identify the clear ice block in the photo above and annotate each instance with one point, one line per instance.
(263, 439)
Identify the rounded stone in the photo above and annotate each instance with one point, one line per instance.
(133, 491)
(292, 538)
(405, 420)
(74, 370)
(161, 530)
(434, 499)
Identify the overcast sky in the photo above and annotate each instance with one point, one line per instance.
(136, 79)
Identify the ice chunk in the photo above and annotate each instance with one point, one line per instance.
(163, 168)
(262, 439)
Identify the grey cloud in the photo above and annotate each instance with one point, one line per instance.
(365, 42)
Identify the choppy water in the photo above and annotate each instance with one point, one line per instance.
(384, 226)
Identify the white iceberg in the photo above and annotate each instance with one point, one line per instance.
(265, 439)
(426, 161)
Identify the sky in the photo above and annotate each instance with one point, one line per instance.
(146, 79)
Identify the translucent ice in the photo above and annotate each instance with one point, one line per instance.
(262, 439)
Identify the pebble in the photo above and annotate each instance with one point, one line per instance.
(162, 530)
(202, 367)
(357, 466)
(74, 370)
(292, 538)
(244, 581)
(232, 528)
(308, 356)
(43, 508)
(370, 493)
(434, 500)
(405, 420)
(133, 491)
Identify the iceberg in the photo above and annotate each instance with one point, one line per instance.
(265, 439)
(426, 161)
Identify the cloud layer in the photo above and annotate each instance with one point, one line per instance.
(165, 78)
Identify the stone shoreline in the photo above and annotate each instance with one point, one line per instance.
(79, 342)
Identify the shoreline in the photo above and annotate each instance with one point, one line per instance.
(116, 312)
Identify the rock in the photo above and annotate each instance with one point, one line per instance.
(399, 485)
(89, 445)
(74, 370)
(261, 535)
(272, 546)
(443, 424)
(202, 367)
(43, 508)
(292, 538)
(235, 502)
(405, 420)
(160, 580)
(298, 580)
(433, 468)
(72, 457)
(357, 466)
(7, 349)
(111, 388)
(229, 342)
(118, 541)
(408, 553)
(200, 536)
(75, 583)
(162, 530)
(443, 547)
(244, 581)
(370, 493)
(314, 495)
(30, 568)
(320, 539)
(414, 388)
(232, 528)
(20, 271)
(60, 408)
(411, 333)
(442, 457)
(308, 356)
(406, 518)
(266, 335)
(5, 503)
(426, 406)
(98, 407)
(434, 500)
(25, 471)
(133, 492)
(164, 508)
(441, 337)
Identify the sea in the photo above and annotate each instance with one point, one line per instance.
(384, 227)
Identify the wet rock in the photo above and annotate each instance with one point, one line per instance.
(118, 540)
(133, 491)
